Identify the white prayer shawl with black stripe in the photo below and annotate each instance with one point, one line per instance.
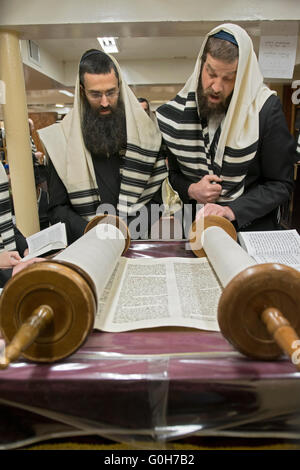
(188, 139)
(7, 234)
(143, 169)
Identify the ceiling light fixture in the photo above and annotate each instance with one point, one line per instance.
(66, 92)
(108, 45)
(59, 105)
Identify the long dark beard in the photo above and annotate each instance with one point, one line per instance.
(103, 135)
(208, 110)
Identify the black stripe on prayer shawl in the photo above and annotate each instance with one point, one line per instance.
(140, 151)
(4, 187)
(230, 169)
(241, 152)
(137, 167)
(6, 225)
(188, 117)
(234, 169)
(5, 206)
(231, 188)
(183, 99)
(131, 194)
(184, 126)
(85, 193)
(138, 183)
(133, 183)
(193, 147)
(86, 202)
(9, 240)
(198, 159)
(159, 169)
(194, 174)
(214, 144)
(86, 209)
(182, 111)
(195, 134)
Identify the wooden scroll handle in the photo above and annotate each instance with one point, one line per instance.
(258, 312)
(282, 332)
(199, 226)
(46, 312)
(112, 220)
(26, 335)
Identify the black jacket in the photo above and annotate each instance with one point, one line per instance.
(269, 180)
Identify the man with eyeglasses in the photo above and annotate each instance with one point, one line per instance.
(105, 156)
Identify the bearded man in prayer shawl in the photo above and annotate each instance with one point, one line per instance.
(105, 156)
(229, 148)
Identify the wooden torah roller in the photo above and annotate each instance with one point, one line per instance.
(199, 226)
(259, 309)
(259, 312)
(114, 221)
(47, 309)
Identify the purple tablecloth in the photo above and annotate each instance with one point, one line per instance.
(150, 386)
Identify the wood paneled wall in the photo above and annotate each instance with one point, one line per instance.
(41, 120)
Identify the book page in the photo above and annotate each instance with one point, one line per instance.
(51, 238)
(278, 246)
(160, 292)
(288, 259)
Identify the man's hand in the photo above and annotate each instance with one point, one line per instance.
(23, 264)
(26, 252)
(215, 209)
(40, 157)
(8, 259)
(208, 189)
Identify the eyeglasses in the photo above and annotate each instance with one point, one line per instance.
(97, 95)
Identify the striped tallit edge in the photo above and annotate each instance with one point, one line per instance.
(136, 189)
(186, 140)
(7, 237)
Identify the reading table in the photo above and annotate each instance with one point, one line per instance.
(150, 387)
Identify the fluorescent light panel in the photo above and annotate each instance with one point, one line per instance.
(108, 45)
(66, 92)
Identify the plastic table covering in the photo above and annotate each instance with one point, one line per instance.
(150, 387)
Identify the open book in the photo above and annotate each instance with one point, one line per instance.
(49, 239)
(147, 293)
(278, 246)
(144, 292)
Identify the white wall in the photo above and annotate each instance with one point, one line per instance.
(55, 19)
(31, 12)
(145, 72)
(49, 65)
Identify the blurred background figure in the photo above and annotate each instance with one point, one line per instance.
(37, 157)
(145, 105)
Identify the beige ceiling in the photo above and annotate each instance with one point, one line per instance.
(175, 41)
(137, 41)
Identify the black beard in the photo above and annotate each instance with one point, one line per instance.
(103, 135)
(206, 109)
